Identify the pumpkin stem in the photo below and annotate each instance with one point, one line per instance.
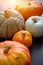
(7, 48)
(34, 20)
(29, 3)
(7, 13)
(23, 35)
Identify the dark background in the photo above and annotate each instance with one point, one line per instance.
(37, 51)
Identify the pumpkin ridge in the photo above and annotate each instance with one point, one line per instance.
(12, 23)
(22, 22)
(5, 30)
(17, 24)
(21, 17)
(2, 20)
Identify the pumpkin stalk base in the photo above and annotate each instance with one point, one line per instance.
(7, 48)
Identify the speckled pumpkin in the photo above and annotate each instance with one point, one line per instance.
(14, 53)
(11, 21)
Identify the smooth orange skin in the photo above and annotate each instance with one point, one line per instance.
(23, 37)
(14, 47)
(29, 8)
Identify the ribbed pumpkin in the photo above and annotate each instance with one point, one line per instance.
(29, 8)
(14, 53)
(11, 21)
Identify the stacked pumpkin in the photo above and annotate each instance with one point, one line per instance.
(10, 22)
(20, 25)
(14, 53)
(29, 8)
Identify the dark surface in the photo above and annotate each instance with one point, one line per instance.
(37, 51)
(4, 39)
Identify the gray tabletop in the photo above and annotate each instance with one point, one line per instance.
(37, 51)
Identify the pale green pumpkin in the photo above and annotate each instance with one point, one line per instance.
(34, 25)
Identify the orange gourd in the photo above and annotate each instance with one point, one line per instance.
(24, 37)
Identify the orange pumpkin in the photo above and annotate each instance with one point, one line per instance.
(29, 8)
(23, 37)
(42, 9)
(14, 53)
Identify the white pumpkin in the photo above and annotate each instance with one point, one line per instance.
(11, 21)
(34, 25)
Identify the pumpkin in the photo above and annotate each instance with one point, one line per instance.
(11, 21)
(29, 8)
(23, 37)
(42, 8)
(34, 25)
(14, 53)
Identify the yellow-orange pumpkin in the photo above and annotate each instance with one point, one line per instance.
(14, 53)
